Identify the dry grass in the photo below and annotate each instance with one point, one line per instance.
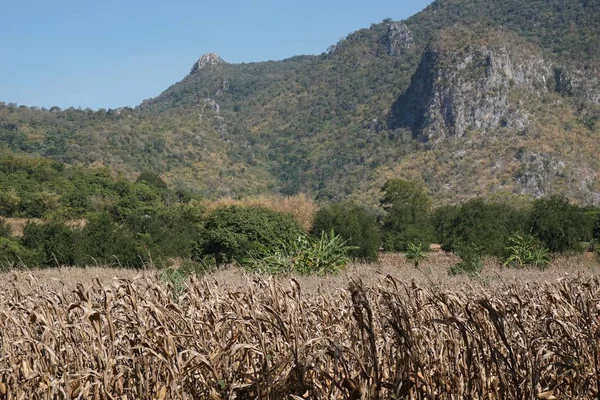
(384, 331)
(17, 225)
(300, 206)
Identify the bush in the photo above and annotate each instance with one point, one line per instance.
(470, 260)
(354, 224)
(152, 179)
(167, 234)
(231, 233)
(596, 227)
(104, 242)
(4, 228)
(487, 226)
(54, 243)
(407, 220)
(559, 225)
(526, 251)
(9, 202)
(177, 275)
(12, 253)
(306, 255)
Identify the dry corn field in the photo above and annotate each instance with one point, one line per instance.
(380, 333)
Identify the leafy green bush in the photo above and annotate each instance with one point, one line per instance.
(168, 233)
(470, 261)
(354, 224)
(12, 253)
(104, 242)
(415, 253)
(307, 255)
(559, 225)
(152, 179)
(485, 225)
(407, 218)
(4, 228)
(54, 243)
(9, 202)
(100, 241)
(596, 227)
(231, 233)
(526, 251)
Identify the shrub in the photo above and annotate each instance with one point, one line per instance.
(177, 275)
(104, 242)
(12, 253)
(231, 233)
(4, 228)
(407, 219)
(306, 255)
(470, 261)
(559, 225)
(9, 202)
(485, 225)
(152, 179)
(596, 227)
(54, 243)
(354, 224)
(526, 251)
(167, 234)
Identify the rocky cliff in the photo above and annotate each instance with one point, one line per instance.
(462, 85)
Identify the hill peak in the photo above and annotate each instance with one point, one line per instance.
(208, 59)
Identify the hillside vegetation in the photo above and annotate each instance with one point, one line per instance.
(469, 97)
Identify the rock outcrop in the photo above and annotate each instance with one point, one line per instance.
(400, 38)
(457, 89)
(207, 60)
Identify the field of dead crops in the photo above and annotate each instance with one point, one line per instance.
(384, 331)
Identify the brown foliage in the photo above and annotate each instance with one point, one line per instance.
(270, 338)
(300, 206)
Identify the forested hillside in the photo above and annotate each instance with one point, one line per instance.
(469, 97)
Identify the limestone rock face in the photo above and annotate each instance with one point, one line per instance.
(456, 90)
(207, 60)
(400, 38)
(460, 88)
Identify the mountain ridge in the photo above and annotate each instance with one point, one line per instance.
(488, 80)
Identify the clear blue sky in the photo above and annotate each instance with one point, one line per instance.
(106, 54)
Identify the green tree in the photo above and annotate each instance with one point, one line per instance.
(357, 226)
(484, 225)
(152, 179)
(407, 218)
(9, 202)
(560, 226)
(470, 262)
(595, 217)
(55, 243)
(4, 228)
(13, 253)
(231, 233)
(104, 242)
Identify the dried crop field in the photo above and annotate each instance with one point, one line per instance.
(382, 331)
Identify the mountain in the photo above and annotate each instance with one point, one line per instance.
(471, 97)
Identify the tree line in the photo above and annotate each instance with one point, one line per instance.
(141, 223)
